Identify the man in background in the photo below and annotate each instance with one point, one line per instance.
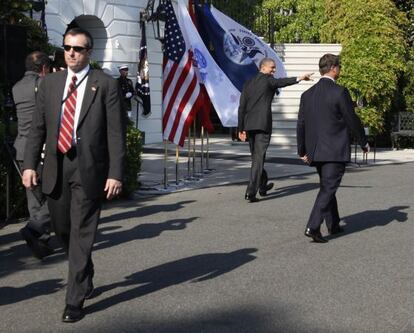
(255, 121)
(326, 117)
(36, 233)
(126, 87)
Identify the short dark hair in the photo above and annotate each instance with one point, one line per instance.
(327, 62)
(265, 61)
(80, 31)
(36, 60)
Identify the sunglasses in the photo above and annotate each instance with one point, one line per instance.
(77, 49)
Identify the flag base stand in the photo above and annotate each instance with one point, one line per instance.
(198, 176)
(194, 178)
(208, 171)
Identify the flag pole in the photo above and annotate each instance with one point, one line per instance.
(202, 149)
(189, 154)
(176, 163)
(165, 164)
(194, 147)
(208, 169)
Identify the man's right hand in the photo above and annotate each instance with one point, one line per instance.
(242, 135)
(305, 159)
(29, 178)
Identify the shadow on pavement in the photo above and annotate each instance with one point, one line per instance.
(247, 318)
(290, 190)
(105, 238)
(192, 269)
(145, 211)
(372, 218)
(10, 295)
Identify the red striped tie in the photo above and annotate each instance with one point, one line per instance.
(68, 119)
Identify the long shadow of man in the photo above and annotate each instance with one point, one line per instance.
(373, 218)
(195, 269)
(10, 295)
(147, 230)
(145, 211)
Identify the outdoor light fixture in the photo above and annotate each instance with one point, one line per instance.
(157, 17)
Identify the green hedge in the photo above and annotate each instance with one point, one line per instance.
(133, 160)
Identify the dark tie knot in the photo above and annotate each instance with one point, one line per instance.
(72, 85)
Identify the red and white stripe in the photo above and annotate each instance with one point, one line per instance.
(180, 97)
(68, 120)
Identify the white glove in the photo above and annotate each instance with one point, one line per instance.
(367, 148)
(128, 95)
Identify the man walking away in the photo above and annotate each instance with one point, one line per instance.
(255, 121)
(326, 117)
(36, 233)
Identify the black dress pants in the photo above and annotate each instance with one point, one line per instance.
(39, 220)
(74, 218)
(326, 206)
(258, 143)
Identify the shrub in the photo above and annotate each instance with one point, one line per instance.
(133, 160)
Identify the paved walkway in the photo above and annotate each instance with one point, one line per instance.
(202, 259)
(229, 163)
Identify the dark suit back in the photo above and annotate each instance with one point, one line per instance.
(100, 118)
(24, 96)
(255, 112)
(326, 117)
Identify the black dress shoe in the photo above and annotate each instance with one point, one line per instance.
(72, 314)
(39, 248)
(251, 198)
(336, 230)
(263, 191)
(315, 235)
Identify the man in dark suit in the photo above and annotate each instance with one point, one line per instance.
(36, 233)
(78, 115)
(255, 121)
(326, 117)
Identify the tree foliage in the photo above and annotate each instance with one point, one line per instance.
(11, 11)
(372, 34)
(406, 97)
(408, 82)
(297, 20)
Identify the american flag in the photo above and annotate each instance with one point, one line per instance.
(180, 93)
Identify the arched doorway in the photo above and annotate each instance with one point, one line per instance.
(99, 34)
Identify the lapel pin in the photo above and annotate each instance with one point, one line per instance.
(93, 88)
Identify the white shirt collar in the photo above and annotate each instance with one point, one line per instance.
(80, 74)
(328, 77)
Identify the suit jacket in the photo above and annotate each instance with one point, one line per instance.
(24, 96)
(100, 132)
(326, 118)
(255, 108)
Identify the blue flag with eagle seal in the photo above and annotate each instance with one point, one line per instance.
(236, 49)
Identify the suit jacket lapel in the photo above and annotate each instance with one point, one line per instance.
(90, 92)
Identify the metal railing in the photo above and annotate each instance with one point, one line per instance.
(261, 21)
